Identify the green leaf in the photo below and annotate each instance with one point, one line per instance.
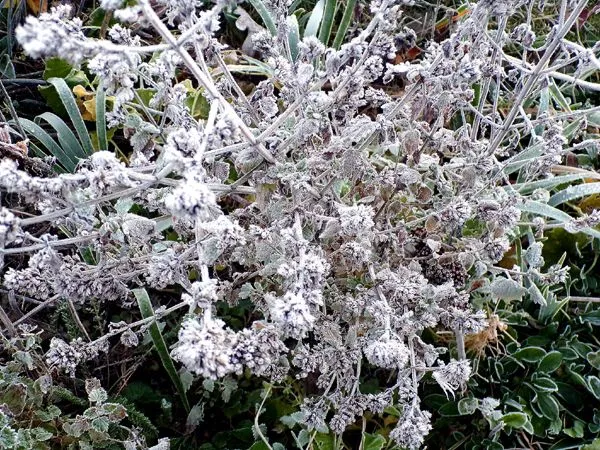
(548, 406)
(147, 311)
(100, 424)
(541, 209)
(594, 359)
(530, 354)
(312, 26)
(577, 431)
(550, 362)
(7, 70)
(528, 187)
(56, 68)
(467, 406)
(595, 445)
(293, 36)
(101, 119)
(344, 24)
(324, 441)
(41, 434)
(515, 419)
(68, 100)
(52, 148)
(545, 385)
(593, 385)
(265, 15)
(327, 22)
(373, 441)
(574, 192)
(66, 138)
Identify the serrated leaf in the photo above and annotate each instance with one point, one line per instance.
(195, 416)
(467, 406)
(506, 289)
(100, 424)
(373, 441)
(98, 395)
(536, 295)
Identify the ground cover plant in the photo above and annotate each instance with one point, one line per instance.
(321, 225)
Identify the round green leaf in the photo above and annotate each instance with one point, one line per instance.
(467, 406)
(593, 384)
(530, 354)
(545, 385)
(594, 359)
(515, 419)
(550, 362)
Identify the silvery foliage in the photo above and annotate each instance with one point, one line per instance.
(345, 226)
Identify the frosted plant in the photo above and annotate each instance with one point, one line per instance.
(351, 219)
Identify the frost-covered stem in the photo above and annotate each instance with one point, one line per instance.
(583, 84)
(460, 343)
(357, 380)
(210, 124)
(208, 84)
(256, 417)
(488, 81)
(37, 309)
(413, 364)
(59, 243)
(533, 77)
(380, 294)
(77, 320)
(140, 322)
(236, 87)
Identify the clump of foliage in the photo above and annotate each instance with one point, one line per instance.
(352, 225)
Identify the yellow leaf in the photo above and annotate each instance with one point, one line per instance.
(90, 109)
(38, 6)
(80, 91)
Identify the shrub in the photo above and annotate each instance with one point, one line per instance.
(353, 219)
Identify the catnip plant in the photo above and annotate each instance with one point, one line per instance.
(352, 216)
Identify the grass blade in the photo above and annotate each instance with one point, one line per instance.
(293, 36)
(159, 344)
(327, 23)
(574, 192)
(529, 187)
(312, 26)
(101, 119)
(265, 15)
(66, 138)
(542, 209)
(344, 24)
(68, 100)
(50, 144)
